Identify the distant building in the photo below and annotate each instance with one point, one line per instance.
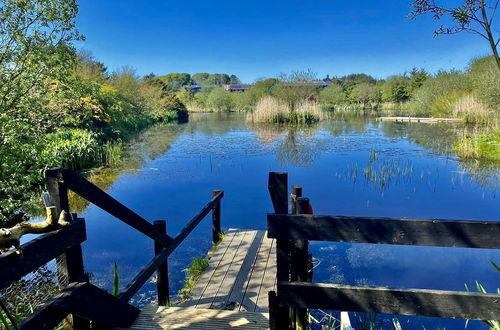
(237, 87)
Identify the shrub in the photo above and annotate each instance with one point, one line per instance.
(484, 78)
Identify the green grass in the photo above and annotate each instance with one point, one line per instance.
(193, 272)
(197, 266)
(483, 147)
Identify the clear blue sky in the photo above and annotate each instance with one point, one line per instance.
(254, 39)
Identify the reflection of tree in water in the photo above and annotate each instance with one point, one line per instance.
(150, 144)
(268, 134)
(298, 147)
(215, 123)
(440, 138)
(437, 137)
(346, 126)
(484, 175)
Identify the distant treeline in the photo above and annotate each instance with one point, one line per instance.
(417, 92)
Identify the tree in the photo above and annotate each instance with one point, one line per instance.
(396, 89)
(333, 94)
(234, 80)
(174, 81)
(475, 16)
(35, 39)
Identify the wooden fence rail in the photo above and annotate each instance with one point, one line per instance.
(294, 294)
(79, 301)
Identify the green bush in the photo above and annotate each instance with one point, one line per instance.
(443, 104)
(484, 77)
(435, 87)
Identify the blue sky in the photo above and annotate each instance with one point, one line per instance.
(257, 39)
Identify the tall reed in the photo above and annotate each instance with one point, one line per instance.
(273, 110)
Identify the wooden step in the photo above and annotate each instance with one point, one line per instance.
(154, 317)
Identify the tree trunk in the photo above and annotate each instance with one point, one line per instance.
(487, 28)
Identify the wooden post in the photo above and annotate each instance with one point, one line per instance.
(162, 288)
(70, 264)
(216, 218)
(278, 189)
(296, 192)
(278, 316)
(299, 263)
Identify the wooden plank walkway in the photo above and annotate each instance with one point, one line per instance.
(159, 318)
(231, 293)
(241, 273)
(421, 120)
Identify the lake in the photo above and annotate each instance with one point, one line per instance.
(354, 166)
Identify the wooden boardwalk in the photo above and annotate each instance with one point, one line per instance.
(231, 293)
(420, 120)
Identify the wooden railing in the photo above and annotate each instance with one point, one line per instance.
(294, 294)
(79, 301)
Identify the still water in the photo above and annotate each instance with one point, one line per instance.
(346, 167)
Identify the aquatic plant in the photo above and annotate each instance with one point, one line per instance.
(273, 110)
(193, 272)
(485, 147)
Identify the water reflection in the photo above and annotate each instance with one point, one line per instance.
(347, 167)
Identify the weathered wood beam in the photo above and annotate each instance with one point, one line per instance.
(84, 300)
(445, 233)
(436, 303)
(39, 251)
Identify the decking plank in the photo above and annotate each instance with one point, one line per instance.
(214, 262)
(233, 270)
(269, 280)
(252, 291)
(216, 280)
(154, 317)
(243, 277)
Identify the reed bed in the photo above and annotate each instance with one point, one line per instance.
(273, 110)
(472, 111)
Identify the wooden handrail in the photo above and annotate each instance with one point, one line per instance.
(96, 196)
(134, 286)
(294, 294)
(436, 303)
(417, 232)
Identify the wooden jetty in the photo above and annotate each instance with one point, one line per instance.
(420, 120)
(231, 293)
(255, 280)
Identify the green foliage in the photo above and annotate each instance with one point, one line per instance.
(218, 99)
(396, 89)
(59, 108)
(333, 94)
(443, 104)
(193, 272)
(211, 78)
(174, 81)
(484, 78)
(482, 147)
(441, 84)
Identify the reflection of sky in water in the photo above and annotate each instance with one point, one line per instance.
(211, 154)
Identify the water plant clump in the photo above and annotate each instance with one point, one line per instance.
(193, 272)
(381, 172)
(273, 110)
